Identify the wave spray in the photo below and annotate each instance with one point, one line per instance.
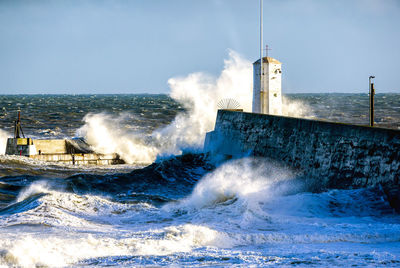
(199, 94)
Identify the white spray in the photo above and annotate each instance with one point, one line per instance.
(3, 141)
(199, 94)
(295, 108)
(105, 135)
(240, 188)
(249, 179)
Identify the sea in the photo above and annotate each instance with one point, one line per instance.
(173, 205)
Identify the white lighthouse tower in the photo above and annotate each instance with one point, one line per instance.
(267, 89)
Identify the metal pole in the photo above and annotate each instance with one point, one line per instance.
(261, 58)
(371, 101)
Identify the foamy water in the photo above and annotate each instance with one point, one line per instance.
(183, 210)
(246, 212)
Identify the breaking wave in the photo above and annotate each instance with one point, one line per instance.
(244, 212)
(250, 180)
(105, 134)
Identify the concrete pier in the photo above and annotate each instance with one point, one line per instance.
(80, 159)
(67, 151)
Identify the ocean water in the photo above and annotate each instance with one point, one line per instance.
(173, 205)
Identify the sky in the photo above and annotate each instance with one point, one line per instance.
(135, 46)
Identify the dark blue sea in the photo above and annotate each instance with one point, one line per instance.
(173, 205)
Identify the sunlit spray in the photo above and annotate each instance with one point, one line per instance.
(199, 94)
(3, 141)
(105, 134)
(241, 186)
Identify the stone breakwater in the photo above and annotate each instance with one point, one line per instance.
(326, 154)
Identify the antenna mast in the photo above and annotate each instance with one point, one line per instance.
(18, 133)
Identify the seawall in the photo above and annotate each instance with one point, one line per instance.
(67, 151)
(331, 155)
(80, 159)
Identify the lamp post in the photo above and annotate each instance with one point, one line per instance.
(371, 101)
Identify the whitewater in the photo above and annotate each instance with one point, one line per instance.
(173, 205)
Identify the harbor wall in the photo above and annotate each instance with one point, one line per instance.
(67, 151)
(53, 146)
(73, 152)
(330, 155)
(80, 159)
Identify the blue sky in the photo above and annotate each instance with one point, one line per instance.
(135, 46)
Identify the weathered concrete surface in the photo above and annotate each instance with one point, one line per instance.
(81, 159)
(68, 151)
(62, 146)
(331, 155)
(54, 146)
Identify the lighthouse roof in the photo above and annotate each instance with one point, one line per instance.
(268, 60)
